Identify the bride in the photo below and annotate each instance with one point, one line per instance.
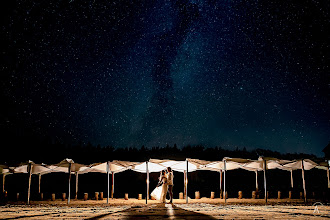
(160, 191)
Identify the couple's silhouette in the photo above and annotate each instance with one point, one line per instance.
(165, 184)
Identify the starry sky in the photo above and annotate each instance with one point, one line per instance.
(127, 73)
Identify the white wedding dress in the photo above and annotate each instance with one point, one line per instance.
(160, 192)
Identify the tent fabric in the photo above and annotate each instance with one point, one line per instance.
(152, 167)
(181, 166)
(234, 163)
(297, 165)
(115, 166)
(156, 165)
(36, 168)
(4, 169)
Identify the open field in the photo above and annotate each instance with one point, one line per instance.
(138, 209)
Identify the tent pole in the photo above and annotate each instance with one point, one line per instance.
(265, 183)
(184, 184)
(328, 174)
(147, 194)
(3, 182)
(221, 194)
(187, 182)
(113, 184)
(76, 196)
(303, 178)
(30, 175)
(291, 179)
(108, 182)
(69, 169)
(257, 186)
(224, 180)
(39, 183)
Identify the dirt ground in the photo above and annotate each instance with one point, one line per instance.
(138, 209)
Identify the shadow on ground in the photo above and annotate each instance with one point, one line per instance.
(157, 211)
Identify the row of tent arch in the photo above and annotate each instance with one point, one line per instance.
(157, 165)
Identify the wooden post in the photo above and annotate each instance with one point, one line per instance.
(221, 184)
(63, 196)
(303, 179)
(53, 196)
(69, 169)
(147, 170)
(212, 195)
(240, 194)
(30, 175)
(181, 195)
(39, 183)
(265, 183)
(254, 195)
(187, 182)
(197, 195)
(224, 180)
(108, 190)
(76, 196)
(85, 196)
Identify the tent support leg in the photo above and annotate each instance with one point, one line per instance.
(3, 182)
(257, 186)
(76, 196)
(187, 182)
(184, 184)
(147, 193)
(291, 179)
(303, 179)
(113, 185)
(265, 181)
(39, 184)
(108, 182)
(69, 183)
(221, 193)
(224, 181)
(328, 174)
(30, 175)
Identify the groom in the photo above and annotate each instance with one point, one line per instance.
(170, 184)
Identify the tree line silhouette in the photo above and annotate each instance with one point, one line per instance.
(50, 152)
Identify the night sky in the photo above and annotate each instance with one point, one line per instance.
(127, 73)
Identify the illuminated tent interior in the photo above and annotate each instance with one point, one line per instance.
(156, 165)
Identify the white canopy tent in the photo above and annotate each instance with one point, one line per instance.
(113, 167)
(31, 168)
(4, 170)
(156, 165)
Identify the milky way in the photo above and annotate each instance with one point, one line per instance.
(128, 73)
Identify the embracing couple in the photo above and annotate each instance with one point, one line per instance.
(165, 184)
